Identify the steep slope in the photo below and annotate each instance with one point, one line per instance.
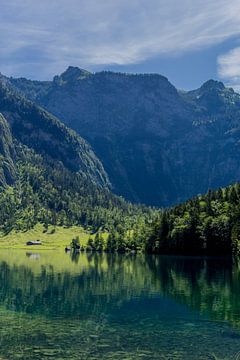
(7, 154)
(159, 146)
(36, 128)
(45, 191)
(114, 113)
(49, 175)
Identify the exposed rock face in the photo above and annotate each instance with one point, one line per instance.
(36, 128)
(158, 145)
(7, 154)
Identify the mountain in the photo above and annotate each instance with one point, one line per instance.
(35, 127)
(50, 175)
(159, 146)
(44, 191)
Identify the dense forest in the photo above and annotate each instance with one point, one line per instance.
(153, 140)
(50, 175)
(45, 191)
(207, 224)
(36, 128)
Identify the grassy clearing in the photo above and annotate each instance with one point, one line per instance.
(59, 238)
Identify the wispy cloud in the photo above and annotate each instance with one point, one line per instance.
(229, 67)
(41, 38)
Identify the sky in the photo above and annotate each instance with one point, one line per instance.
(189, 41)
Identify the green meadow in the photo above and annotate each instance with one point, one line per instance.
(55, 237)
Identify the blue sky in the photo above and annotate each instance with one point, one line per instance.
(189, 41)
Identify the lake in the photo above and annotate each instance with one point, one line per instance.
(105, 306)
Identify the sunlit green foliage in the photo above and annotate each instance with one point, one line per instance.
(207, 224)
(46, 192)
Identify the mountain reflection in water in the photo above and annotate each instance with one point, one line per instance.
(107, 306)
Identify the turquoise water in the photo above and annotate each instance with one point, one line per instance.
(102, 306)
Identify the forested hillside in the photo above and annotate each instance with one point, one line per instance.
(154, 141)
(35, 127)
(205, 225)
(45, 191)
(49, 175)
(7, 154)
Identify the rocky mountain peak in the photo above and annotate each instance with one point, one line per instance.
(72, 74)
(212, 85)
(155, 142)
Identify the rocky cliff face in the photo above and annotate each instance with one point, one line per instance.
(158, 145)
(36, 128)
(7, 154)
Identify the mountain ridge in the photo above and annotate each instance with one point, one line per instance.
(155, 142)
(36, 128)
(49, 175)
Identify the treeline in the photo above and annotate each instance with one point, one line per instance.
(207, 224)
(46, 192)
(119, 239)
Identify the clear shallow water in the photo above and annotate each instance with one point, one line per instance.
(102, 306)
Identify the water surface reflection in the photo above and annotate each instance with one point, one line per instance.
(105, 306)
